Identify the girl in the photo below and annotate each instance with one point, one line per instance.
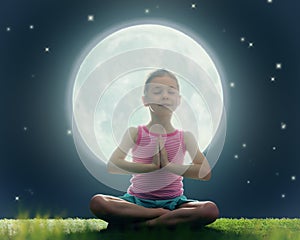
(155, 196)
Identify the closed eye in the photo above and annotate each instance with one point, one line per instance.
(157, 92)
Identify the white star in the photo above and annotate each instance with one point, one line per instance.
(194, 5)
(270, 1)
(278, 65)
(47, 49)
(8, 29)
(147, 10)
(90, 18)
(272, 79)
(242, 39)
(283, 126)
(248, 182)
(283, 195)
(25, 128)
(69, 132)
(17, 198)
(274, 148)
(31, 27)
(251, 45)
(30, 191)
(236, 156)
(244, 145)
(293, 178)
(232, 84)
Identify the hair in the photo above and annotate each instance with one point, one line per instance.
(159, 73)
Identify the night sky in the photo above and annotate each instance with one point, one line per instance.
(256, 44)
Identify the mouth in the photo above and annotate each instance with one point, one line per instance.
(169, 106)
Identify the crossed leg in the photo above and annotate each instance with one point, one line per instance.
(118, 211)
(197, 214)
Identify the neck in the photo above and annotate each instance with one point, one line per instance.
(160, 124)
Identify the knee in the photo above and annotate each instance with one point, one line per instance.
(99, 204)
(211, 211)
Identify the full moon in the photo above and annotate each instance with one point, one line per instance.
(108, 88)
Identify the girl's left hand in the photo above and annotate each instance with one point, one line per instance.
(163, 153)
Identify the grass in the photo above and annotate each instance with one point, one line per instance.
(94, 229)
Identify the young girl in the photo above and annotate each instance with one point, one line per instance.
(155, 196)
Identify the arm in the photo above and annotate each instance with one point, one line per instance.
(117, 162)
(199, 169)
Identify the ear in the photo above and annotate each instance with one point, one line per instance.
(145, 102)
(179, 100)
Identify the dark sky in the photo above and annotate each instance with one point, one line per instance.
(258, 173)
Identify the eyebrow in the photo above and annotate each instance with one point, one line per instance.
(170, 86)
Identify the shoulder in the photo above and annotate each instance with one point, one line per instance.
(188, 136)
(189, 139)
(132, 133)
(129, 137)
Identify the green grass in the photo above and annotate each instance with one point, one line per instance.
(94, 229)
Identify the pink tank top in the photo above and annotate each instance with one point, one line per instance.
(159, 184)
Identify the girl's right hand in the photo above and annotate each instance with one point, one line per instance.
(156, 157)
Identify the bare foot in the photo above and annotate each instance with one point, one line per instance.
(155, 212)
(162, 211)
(149, 223)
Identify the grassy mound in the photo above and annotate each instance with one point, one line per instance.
(89, 229)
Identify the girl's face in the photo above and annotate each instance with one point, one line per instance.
(162, 95)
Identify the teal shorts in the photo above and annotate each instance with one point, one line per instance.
(170, 204)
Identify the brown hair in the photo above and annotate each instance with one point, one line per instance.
(159, 73)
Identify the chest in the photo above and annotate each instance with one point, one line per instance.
(147, 147)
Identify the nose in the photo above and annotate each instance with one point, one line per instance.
(165, 95)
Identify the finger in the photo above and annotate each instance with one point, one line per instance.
(156, 159)
(161, 143)
(156, 153)
(158, 145)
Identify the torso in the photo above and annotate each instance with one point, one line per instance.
(159, 184)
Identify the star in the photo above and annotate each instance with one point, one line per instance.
(147, 11)
(250, 44)
(269, 1)
(90, 18)
(272, 79)
(17, 198)
(194, 6)
(8, 29)
(236, 156)
(283, 195)
(31, 27)
(244, 145)
(69, 132)
(283, 126)
(278, 65)
(293, 178)
(242, 39)
(248, 182)
(232, 85)
(47, 49)
(25, 129)
(274, 148)
(30, 191)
